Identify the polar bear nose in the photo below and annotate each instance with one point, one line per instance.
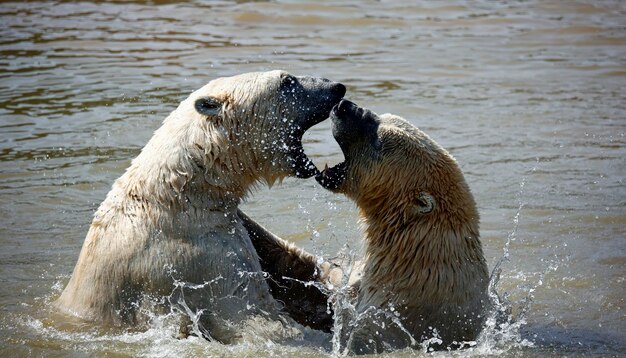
(344, 106)
(338, 89)
(335, 89)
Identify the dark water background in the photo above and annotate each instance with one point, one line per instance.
(529, 96)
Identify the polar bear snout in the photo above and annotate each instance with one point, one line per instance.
(356, 131)
(336, 89)
(308, 100)
(354, 126)
(349, 114)
(315, 97)
(345, 108)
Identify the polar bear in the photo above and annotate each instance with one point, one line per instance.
(424, 274)
(168, 234)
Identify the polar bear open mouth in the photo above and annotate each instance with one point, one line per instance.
(332, 178)
(354, 127)
(304, 167)
(314, 98)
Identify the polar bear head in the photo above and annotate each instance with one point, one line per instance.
(255, 122)
(394, 171)
(424, 258)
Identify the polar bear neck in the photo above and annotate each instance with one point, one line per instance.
(198, 165)
(428, 260)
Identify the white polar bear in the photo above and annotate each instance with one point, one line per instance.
(172, 216)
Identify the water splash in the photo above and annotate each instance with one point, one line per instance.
(178, 305)
(161, 336)
(500, 335)
(342, 300)
(502, 330)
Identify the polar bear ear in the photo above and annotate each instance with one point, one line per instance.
(209, 106)
(423, 203)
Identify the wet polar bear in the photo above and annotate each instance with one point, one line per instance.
(168, 232)
(424, 274)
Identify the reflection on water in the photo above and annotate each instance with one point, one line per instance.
(520, 92)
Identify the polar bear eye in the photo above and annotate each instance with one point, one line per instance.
(208, 106)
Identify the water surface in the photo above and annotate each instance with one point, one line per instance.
(528, 96)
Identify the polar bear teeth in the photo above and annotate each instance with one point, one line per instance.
(332, 178)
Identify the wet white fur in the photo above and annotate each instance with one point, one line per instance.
(172, 216)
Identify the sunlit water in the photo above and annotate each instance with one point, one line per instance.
(528, 96)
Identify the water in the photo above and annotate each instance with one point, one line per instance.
(529, 97)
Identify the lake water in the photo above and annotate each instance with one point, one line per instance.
(529, 96)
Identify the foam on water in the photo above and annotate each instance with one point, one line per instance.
(162, 338)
